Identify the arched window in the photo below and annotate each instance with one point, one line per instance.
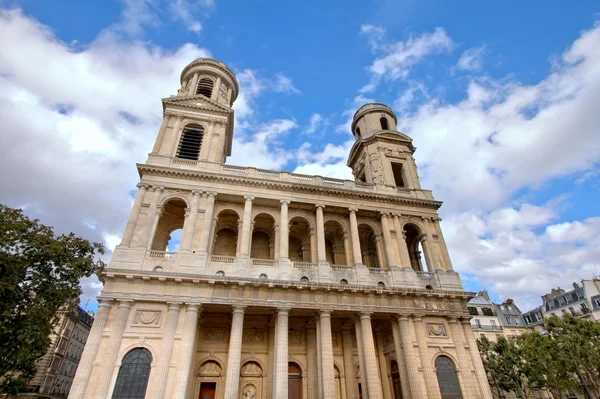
(304, 279)
(357, 132)
(134, 372)
(384, 123)
(191, 141)
(205, 87)
(447, 379)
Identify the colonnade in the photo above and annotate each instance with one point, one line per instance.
(390, 251)
(410, 340)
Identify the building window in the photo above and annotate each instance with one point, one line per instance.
(493, 323)
(263, 277)
(132, 379)
(527, 319)
(477, 323)
(507, 319)
(447, 379)
(357, 132)
(304, 279)
(220, 273)
(398, 175)
(190, 142)
(384, 123)
(205, 87)
(344, 281)
(473, 311)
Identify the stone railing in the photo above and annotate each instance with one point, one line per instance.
(163, 254)
(186, 162)
(264, 262)
(425, 275)
(486, 327)
(342, 268)
(222, 259)
(304, 265)
(376, 270)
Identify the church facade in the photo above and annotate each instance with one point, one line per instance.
(283, 285)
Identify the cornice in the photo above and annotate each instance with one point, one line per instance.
(282, 185)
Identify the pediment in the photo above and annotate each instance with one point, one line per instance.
(197, 101)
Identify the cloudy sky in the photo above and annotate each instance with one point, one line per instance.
(503, 104)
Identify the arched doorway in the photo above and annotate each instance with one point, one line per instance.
(294, 381)
(413, 244)
(447, 378)
(171, 220)
(225, 241)
(263, 237)
(396, 380)
(134, 372)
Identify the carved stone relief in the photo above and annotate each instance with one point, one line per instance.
(249, 392)
(388, 337)
(251, 369)
(210, 368)
(214, 335)
(436, 330)
(251, 336)
(295, 338)
(148, 318)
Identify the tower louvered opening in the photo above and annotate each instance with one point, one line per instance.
(205, 87)
(191, 142)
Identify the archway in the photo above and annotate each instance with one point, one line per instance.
(368, 245)
(225, 241)
(413, 244)
(171, 220)
(251, 380)
(294, 381)
(263, 237)
(299, 248)
(397, 385)
(133, 376)
(334, 243)
(447, 378)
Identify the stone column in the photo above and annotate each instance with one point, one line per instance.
(186, 351)
(443, 248)
(174, 137)
(194, 84)
(161, 134)
(484, 385)
(84, 370)
(327, 355)
(387, 241)
(164, 360)
(134, 215)
(427, 253)
(246, 227)
(361, 359)
(311, 362)
(400, 358)
(383, 369)
(215, 92)
(206, 226)
(114, 346)
(271, 362)
(234, 356)
(469, 386)
(351, 388)
(402, 249)
(284, 232)
(281, 366)
(356, 253)
(190, 222)
(380, 257)
(411, 357)
(373, 380)
(319, 357)
(321, 256)
(313, 245)
(151, 217)
(206, 141)
(431, 384)
(277, 242)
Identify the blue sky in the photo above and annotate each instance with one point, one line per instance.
(500, 98)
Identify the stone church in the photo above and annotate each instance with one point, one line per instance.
(283, 285)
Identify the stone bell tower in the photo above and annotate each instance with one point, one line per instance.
(381, 155)
(197, 127)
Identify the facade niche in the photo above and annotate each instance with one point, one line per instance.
(263, 237)
(171, 219)
(299, 240)
(225, 242)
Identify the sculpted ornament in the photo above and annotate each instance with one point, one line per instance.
(249, 392)
(436, 330)
(210, 368)
(295, 338)
(388, 337)
(147, 317)
(214, 335)
(253, 336)
(251, 369)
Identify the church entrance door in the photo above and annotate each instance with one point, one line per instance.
(208, 390)
(294, 381)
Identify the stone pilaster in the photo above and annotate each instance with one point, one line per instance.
(281, 366)
(411, 358)
(351, 388)
(484, 385)
(319, 357)
(311, 362)
(84, 369)
(152, 217)
(469, 387)
(271, 362)
(400, 358)
(234, 356)
(164, 360)
(161, 134)
(207, 224)
(321, 256)
(190, 222)
(356, 252)
(284, 231)
(373, 380)
(114, 345)
(431, 385)
(193, 84)
(246, 227)
(174, 137)
(134, 215)
(327, 355)
(186, 352)
(383, 369)
(402, 249)
(361, 359)
(387, 240)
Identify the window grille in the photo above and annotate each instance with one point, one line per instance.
(132, 379)
(448, 381)
(205, 87)
(191, 142)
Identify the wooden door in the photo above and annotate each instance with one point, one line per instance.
(294, 381)
(208, 390)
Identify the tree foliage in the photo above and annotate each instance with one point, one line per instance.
(566, 356)
(39, 274)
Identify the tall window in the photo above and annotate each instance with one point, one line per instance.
(397, 171)
(384, 123)
(190, 143)
(205, 87)
(357, 132)
(132, 380)
(447, 379)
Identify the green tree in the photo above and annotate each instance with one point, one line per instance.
(39, 274)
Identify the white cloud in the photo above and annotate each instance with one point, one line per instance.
(471, 59)
(283, 84)
(314, 123)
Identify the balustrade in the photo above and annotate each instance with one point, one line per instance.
(264, 262)
(163, 254)
(222, 259)
(304, 265)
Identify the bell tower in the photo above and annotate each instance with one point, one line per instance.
(381, 154)
(197, 126)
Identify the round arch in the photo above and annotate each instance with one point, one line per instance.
(252, 359)
(225, 208)
(201, 362)
(133, 346)
(187, 122)
(173, 197)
